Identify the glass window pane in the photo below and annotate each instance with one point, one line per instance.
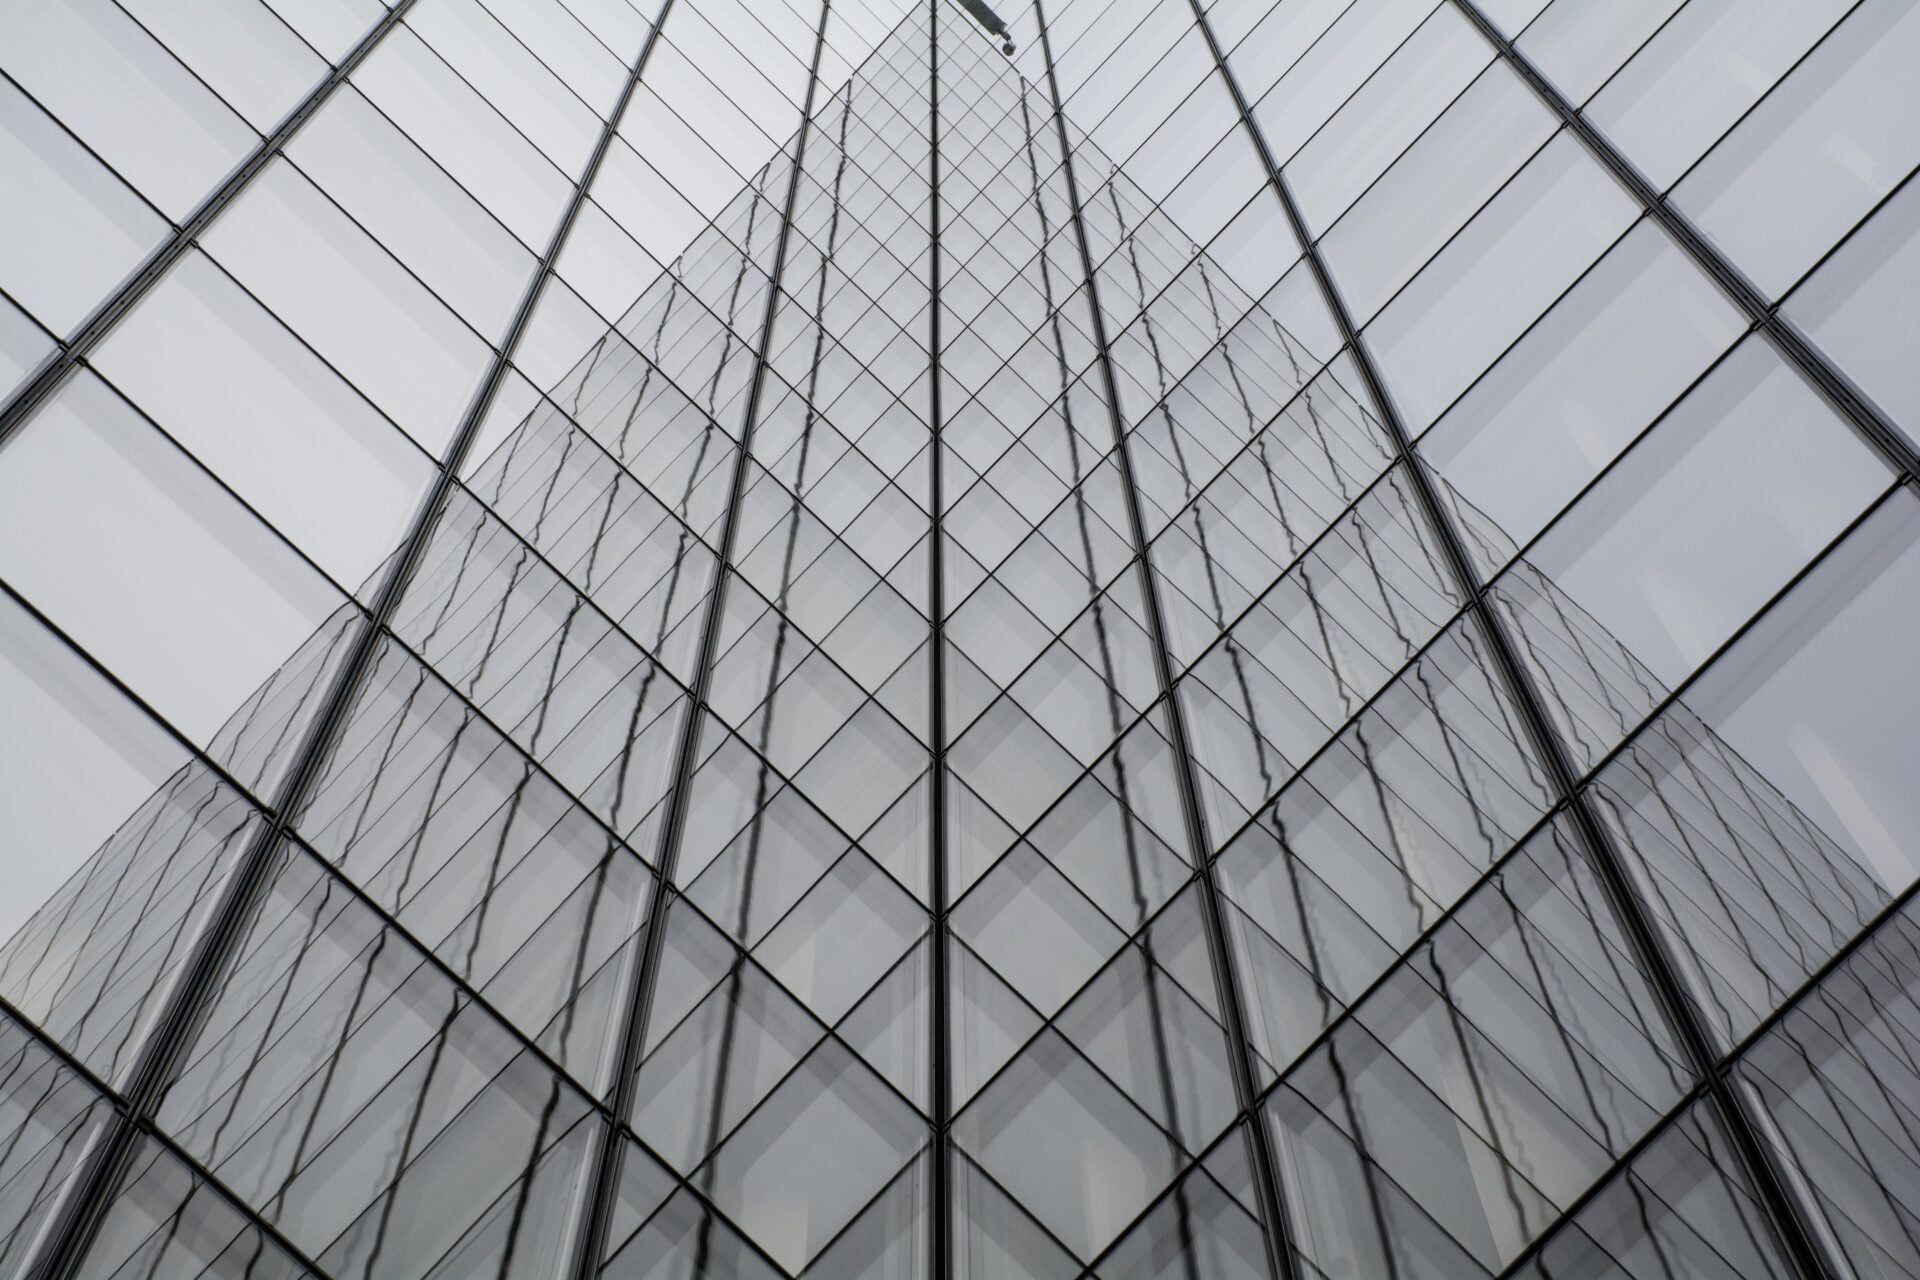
(1821, 698)
(1321, 53)
(469, 137)
(558, 38)
(1530, 242)
(1818, 152)
(331, 26)
(341, 291)
(69, 230)
(408, 203)
(767, 1174)
(23, 345)
(1683, 1207)
(126, 96)
(51, 1117)
(1711, 513)
(231, 383)
(1769, 814)
(138, 555)
(115, 842)
(1698, 73)
(239, 47)
(1603, 363)
(1578, 44)
(169, 1220)
(508, 75)
(1863, 307)
(1385, 115)
(1073, 1150)
(1839, 1084)
(1454, 167)
(77, 759)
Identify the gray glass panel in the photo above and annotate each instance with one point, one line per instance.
(69, 229)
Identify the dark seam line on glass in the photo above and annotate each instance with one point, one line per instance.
(1677, 696)
(1277, 1235)
(1895, 906)
(1354, 6)
(605, 1174)
(1046, 1024)
(512, 126)
(1458, 233)
(1805, 278)
(854, 1223)
(519, 41)
(1189, 1165)
(95, 327)
(195, 1169)
(66, 131)
(193, 72)
(1504, 563)
(406, 268)
(1378, 73)
(980, 1173)
(1431, 129)
(1683, 1015)
(616, 626)
(245, 795)
(1695, 1095)
(1591, 270)
(1802, 58)
(413, 447)
(266, 6)
(1669, 21)
(828, 1032)
(747, 58)
(1193, 1166)
(1118, 45)
(95, 1185)
(434, 165)
(1335, 732)
(1838, 390)
(1633, 737)
(1373, 1171)
(193, 463)
(49, 337)
(133, 698)
(940, 1082)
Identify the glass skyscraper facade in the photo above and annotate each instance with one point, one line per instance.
(740, 638)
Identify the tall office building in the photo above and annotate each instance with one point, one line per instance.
(739, 638)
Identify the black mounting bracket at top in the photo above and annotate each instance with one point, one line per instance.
(986, 17)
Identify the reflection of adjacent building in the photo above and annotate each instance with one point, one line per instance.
(1515, 1019)
(463, 984)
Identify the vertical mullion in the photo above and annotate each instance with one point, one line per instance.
(1610, 865)
(1276, 1235)
(183, 236)
(603, 1191)
(91, 1191)
(1838, 390)
(939, 1243)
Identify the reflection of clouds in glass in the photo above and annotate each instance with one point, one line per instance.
(1710, 514)
(73, 763)
(1830, 710)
